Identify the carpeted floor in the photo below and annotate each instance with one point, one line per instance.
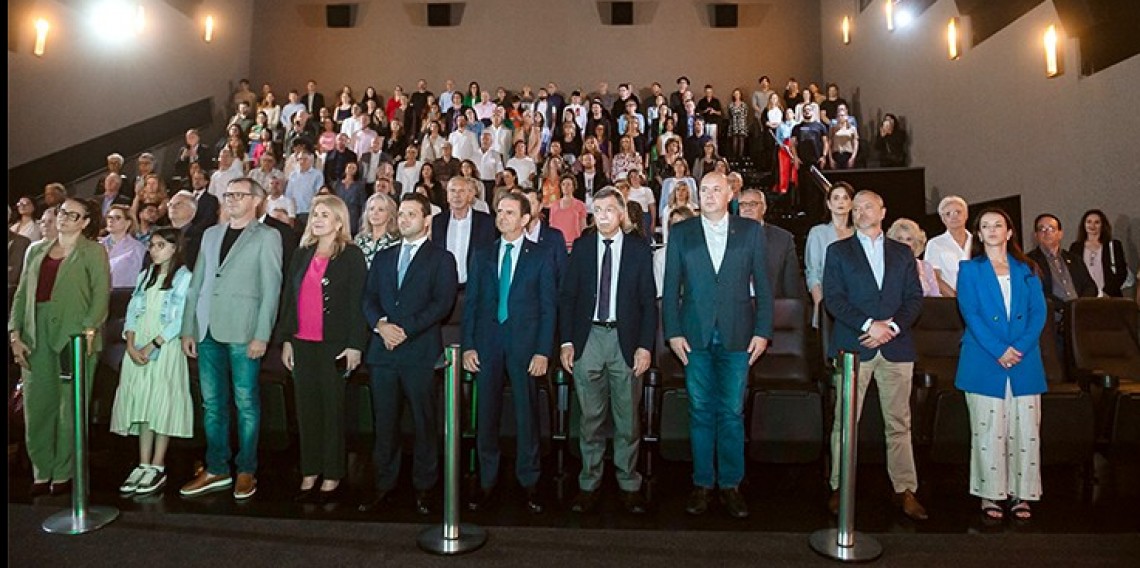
(148, 539)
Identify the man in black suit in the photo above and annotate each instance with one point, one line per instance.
(608, 318)
(1064, 276)
(871, 288)
(718, 328)
(460, 229)
(182, 209)
(783, 265)
(290, 239)
(540, 232)
(207, 207)
(508, 330)
(313, 100)
(337, 158)
(590, 180)
(409, 293)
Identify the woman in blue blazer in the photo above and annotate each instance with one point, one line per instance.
(1000, 368)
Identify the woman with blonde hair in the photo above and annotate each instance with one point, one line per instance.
(378, 228)
(910, 234)
(323, 334)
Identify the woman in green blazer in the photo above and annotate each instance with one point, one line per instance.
(63, 292)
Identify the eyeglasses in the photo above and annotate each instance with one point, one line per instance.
(1047, 229)
(749, 204)
(235, 195)
(72, 216)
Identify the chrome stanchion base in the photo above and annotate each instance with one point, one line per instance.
(471, 538)
(826, 542)
(66, 522)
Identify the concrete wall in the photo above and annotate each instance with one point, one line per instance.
(991, 124)
(517, 42)
(85, 86)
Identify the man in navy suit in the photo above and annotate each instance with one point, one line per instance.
(508, 331)
(540, 232)
(409, 293)
(718, 330)
(461, 229)
(608, 319)
(872, 290)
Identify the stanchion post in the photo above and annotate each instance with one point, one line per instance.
(81, 518)
(651, 394)
(561, 433)
(844, 543)
(453, 537)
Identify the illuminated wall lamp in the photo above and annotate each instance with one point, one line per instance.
(846, 30)
(889, 8)
(42, 27)
(1054, 63)
(954, 39)
(208, 34)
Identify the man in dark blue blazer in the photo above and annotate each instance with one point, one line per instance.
(409, 293)
(608, 319)
(540, 232)
(460, 229)
(718, 330)
(872, 290)
(508, 331)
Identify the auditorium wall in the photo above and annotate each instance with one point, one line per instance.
(513, 42)
(991, 124)
(86, 86)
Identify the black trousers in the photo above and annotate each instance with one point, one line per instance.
(391, 384)
(318, 388)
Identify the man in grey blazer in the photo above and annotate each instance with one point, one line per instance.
(230, 310)
(783, 265)
(718, 328)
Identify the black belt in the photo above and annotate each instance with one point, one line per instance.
(606, 324)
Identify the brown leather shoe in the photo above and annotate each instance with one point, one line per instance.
(205, 483)
(910, 505)
(833, 503)
(246, 486)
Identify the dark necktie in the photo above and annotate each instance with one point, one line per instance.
(606, 279)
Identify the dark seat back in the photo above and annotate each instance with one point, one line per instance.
(786, 357)
(1102, 335)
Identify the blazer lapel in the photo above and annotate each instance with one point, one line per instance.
(703, 246)
(993, 288)
(862, 265)
(242, 240)
(305, 257)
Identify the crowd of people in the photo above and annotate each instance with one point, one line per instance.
(344, 258)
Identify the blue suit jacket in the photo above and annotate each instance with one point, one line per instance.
(851, 296)
(483, 231)
(716, 300)
(555, 242)
(419, 306)
(531, 303)
(989, 332)
(635, 304)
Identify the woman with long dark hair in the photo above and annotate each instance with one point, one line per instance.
(839, 226)
(1000, 368)
(153, 399)
(1102, 254)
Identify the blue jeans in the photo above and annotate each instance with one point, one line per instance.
(223, 367)
(716, 380)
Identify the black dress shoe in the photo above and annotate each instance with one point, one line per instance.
(734, 503)
(533, 502)
(375, 503)
(634, 502)
(423, 502)
(485, 499)
(585, 502)
(698, 501)
(331, 496)
(306, 495)
(40, 488)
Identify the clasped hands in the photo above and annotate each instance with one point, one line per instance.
(879, 334)
(1010, 358)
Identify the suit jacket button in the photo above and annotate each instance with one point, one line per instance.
(995, 318)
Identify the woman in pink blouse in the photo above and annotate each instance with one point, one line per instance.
(568, 214)
(910, 234)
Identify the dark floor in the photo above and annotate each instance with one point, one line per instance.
(788, 499)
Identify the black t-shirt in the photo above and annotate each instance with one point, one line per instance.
(832, 107)
(228, 241)
(809, 141)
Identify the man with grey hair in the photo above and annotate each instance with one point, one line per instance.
(181, 210)
(112, 183)
(945, 251)
(783, 264)
(230, 309)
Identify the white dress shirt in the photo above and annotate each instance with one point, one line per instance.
(944, 254)
(458, 241)
(515, 253)
(716, 238)
(615, 251)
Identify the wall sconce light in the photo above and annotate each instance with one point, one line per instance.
(846, 30)
(1054, 63)
(953, 39)
(889, 8)
(208, 34)
(42, 27)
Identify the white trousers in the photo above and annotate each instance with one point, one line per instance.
(1005, 451)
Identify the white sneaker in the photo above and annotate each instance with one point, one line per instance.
(132, 483)
(151, 481)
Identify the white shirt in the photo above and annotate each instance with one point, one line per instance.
(873, 249)
(579, 115)
(515, 252)
(615, 249)
(408, 175)
(464, 145)
(458, 241)
(490, 164)
(644, 196)
(532, 235)
(350, 126)
(944, 254)
(525, 168)
(284, 202)
(500, 139)
(716, 238)
(222, 178)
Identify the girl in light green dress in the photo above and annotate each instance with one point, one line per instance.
(153, 400)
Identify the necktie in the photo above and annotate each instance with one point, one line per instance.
(605, 281)
(505, 283)
(402, 268)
